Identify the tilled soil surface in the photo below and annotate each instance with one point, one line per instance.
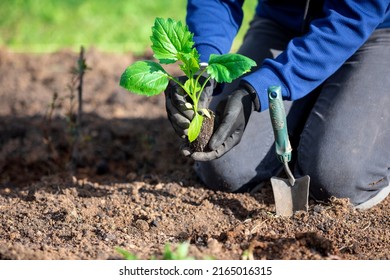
(130, 187)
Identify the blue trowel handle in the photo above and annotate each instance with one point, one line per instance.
(279, 123)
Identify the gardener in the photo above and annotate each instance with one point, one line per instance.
(332, 60)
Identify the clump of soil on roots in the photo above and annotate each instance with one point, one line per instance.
(200, 144)
(132, 188)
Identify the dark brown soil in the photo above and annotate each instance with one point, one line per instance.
(132, 188)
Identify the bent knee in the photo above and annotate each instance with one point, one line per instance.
(341, 176)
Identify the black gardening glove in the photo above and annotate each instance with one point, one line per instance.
(235, 112)
(179, 114)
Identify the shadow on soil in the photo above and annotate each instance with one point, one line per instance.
(34, 149)
(120, 149)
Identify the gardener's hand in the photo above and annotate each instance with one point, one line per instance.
(179, 114)
(235, 112)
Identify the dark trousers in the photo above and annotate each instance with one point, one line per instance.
(340, 132)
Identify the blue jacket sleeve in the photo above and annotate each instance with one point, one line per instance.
(215, 24)
(308, 60)
(311, 59)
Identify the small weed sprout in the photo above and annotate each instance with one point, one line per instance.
(181, 253)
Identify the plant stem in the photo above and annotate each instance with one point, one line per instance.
(177, 82)
(190, 93)
(202, 88)
(81, 69)
(197, 97)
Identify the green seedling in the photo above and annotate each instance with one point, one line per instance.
(181, 253)
(126, 254)
(173, 42)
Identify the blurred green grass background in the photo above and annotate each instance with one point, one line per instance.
(110, 25)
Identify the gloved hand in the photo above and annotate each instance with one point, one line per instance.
(179, 115)
(236, 110)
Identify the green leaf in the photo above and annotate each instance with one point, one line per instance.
(168, 253)
(169, 38)
(195, 126)
(145, 78)
(181, 252)
(126, 255)
(190, 62)
(191, 87)
(228, 67)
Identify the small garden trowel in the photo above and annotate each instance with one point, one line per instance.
(290, 194)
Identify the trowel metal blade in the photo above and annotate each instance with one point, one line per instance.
(289, 199)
